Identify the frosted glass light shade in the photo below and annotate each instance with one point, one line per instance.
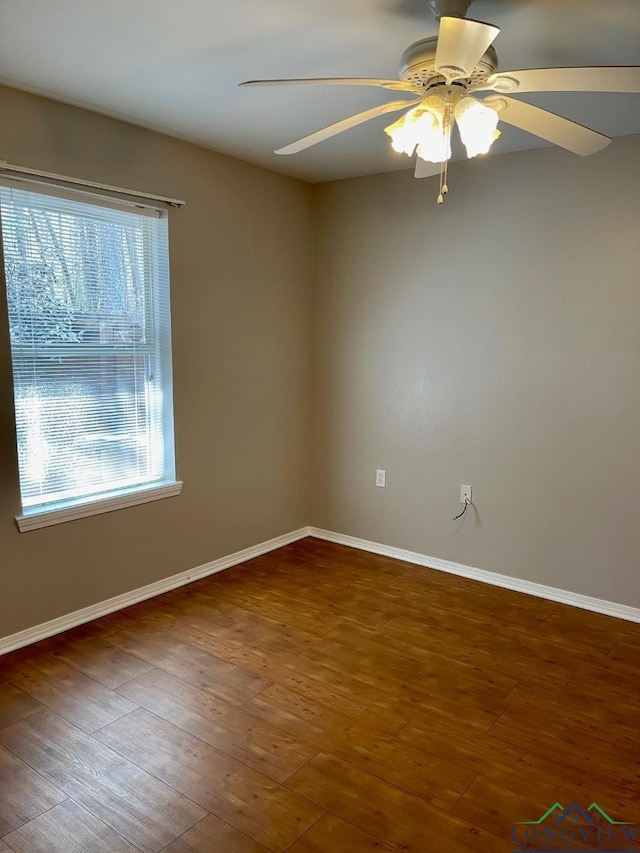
(422, 129)
(477, 124)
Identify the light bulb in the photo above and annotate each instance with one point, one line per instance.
(477, 124)
(422, 128)
(434, 144)
(403, 139)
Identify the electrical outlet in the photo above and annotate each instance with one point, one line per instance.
(381, 478)
(465, 494)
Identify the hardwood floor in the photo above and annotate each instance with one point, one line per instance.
(318, 699)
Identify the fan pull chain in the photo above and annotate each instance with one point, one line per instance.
(444, 189)
(444, 165)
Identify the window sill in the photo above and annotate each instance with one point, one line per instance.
(46, 518)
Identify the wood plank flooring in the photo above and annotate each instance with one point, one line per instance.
(318, 699)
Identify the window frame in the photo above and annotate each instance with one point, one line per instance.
(38, 516)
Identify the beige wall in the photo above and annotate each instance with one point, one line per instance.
(241, 299)
(493, 341)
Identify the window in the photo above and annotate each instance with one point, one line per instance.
(88, 301)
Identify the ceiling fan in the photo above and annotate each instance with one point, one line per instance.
(445, 73)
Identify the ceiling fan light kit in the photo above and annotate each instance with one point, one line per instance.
(444, 73)
(425, 130)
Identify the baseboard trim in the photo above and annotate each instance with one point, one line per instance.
(103, 608)
(585, 602)
(111, 605)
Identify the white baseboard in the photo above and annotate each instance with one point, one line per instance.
(585, 602)
(102, 608)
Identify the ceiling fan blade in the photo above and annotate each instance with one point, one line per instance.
(622, 78)
(461, 44)
(561, 131)
(346, 124)
(425, 169)
(395, 85)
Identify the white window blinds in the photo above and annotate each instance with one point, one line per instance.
(88, 299)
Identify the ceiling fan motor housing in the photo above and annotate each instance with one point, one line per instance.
(417, 65)
(449, 8)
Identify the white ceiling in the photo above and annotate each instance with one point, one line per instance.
(174, 65)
